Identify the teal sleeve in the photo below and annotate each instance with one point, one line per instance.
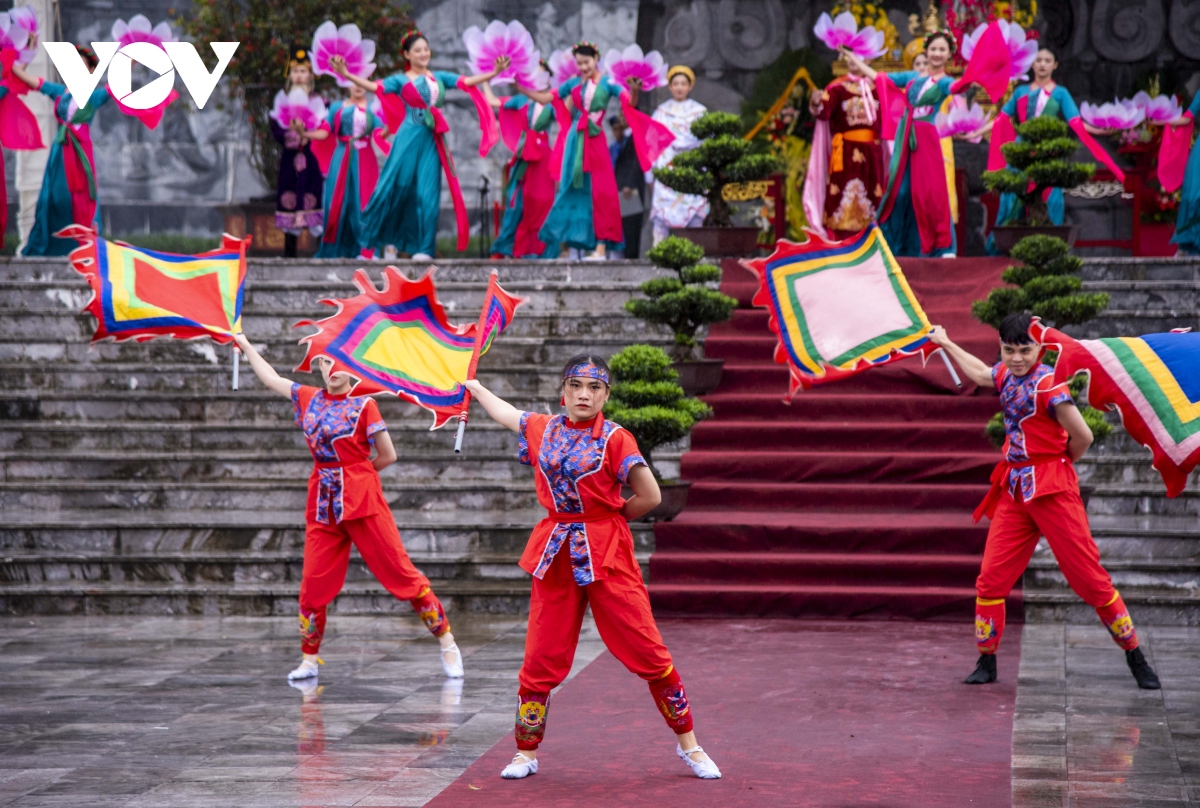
(613, 88)
(1194, 108)
(447, 78)
(944, 84)
(394, 83)
(516, 102)
(570, 84)
(3, 91)
(1010, 106)
(903, 78)
(55, 90)
(98, 98)
(1067, 104)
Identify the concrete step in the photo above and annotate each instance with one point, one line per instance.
(1147, 537)
(1148, 605)
(1105, 469)
(1141, 269)
(1130, 499)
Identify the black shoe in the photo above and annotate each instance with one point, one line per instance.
(1147, 679)
(985, 670)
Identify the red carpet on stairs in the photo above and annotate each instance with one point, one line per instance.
(853, 501)
(796, 713)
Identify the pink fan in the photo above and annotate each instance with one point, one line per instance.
(1022, 50)
(13, 36)
(1160, 109)
(24, 17)
(1118, 114)
(138, 29)
(961, 120)
(633, 64)
(843, 32)
(347, 42)
(562, 67)
(298, 106)
(511, 40)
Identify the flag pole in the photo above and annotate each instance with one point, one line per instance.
(237, 361)
(479, 329)
(950, 367)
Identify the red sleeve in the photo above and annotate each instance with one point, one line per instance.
(529, 436)
(371, 421)
(623, 454)
(1055, 394)
(301, 395)
(999, 372)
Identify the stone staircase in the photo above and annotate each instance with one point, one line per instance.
(1150, 544)
(133, 480)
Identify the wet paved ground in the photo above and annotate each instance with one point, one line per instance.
(135, 711)
(1084, 736)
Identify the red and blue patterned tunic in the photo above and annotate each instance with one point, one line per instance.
(340, 431)
(1028, 404)
(579, 477)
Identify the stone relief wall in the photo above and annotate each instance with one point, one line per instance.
(173, 178)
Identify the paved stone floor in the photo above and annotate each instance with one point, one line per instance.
(195, 712)
(1084, 736)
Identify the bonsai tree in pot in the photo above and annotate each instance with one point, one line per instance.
(1048, 285)
(723, 157)
(1037, 162)
(647, 400)
(684, 304)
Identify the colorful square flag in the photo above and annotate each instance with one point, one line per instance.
(141, 294)
(839, 307)
(397, 340)
(1152, 381)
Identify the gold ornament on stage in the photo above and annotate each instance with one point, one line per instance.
(745, 191)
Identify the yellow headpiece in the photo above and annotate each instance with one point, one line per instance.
(681, 70)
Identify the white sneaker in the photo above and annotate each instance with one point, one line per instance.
(422, 257)
(307, 670)
(521, 767)
(453, 669)
(704, 769)
(595, 256)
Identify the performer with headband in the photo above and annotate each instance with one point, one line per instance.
(404, 208)
(671, 208)
(346, 506)
(587, 211)
(300, 185)
(529, 191)
(581, 554)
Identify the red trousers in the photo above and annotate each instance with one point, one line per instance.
(621, 608)
(1016, 527)
(327, 557)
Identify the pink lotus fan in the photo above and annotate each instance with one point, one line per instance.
(347, 42)
(843, 32)
(13, 36)
(1161, 109)
(138, 29)
(633, 64)
(1117, 114)
(1022, 49)
(562, 67)
(961, 120)
(298, 106)
(24, 17)
(498, 39)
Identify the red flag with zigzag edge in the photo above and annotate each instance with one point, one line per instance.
(397, 340)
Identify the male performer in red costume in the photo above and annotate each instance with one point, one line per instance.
(346, 506)
(1035, 492)
(581, 555)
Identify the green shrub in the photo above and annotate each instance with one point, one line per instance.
(683, 303)
(721, 158)
(647, 401)
(1038, 161)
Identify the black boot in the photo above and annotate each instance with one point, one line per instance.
(1147, 679)
(985, 671)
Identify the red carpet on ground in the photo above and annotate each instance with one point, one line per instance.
(853, 501)
(796, 713)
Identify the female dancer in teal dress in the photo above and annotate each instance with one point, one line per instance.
(1041, 97)
(1187, 220)
(348, 159)
(916, 216)
(404, 208)
(587, 212)
(68, 195)
(529, 192)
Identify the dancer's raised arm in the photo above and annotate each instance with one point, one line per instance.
(262, 368)
(497, 408)
(339, 66)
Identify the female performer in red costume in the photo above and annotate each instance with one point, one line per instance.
(346, 505)
(581, 554)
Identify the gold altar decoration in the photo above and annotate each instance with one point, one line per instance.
(745, 191)
(781, 102)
